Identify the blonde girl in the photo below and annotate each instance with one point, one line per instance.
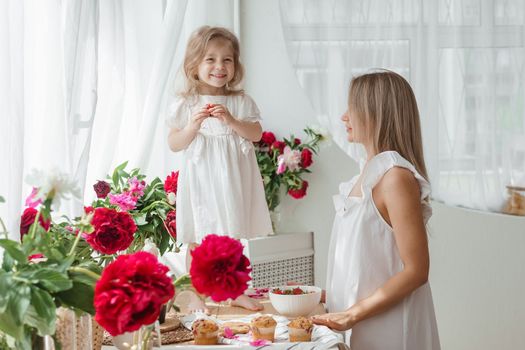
(213, 123)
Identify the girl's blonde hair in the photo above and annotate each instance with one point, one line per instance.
(195, 51)
(385, 104)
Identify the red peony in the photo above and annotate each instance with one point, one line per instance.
(131, 292)
(113, 230)
(102, 189)
(297, 141)
(28, 218)
(278, 145)
(170, 184)
(171, 223)
(268, 138)
(300, 193)
(219, 269)
(306, 158)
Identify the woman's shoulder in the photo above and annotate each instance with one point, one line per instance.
(398, 179)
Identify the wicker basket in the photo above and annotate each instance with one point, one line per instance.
(97, 335)
(73, 332)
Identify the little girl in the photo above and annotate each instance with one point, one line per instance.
(220, 188)
(377, 287)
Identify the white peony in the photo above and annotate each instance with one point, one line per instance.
(53, 185)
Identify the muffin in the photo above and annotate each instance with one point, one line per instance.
(235, 327)
(300, 329)
(205, 332)
(263, 327)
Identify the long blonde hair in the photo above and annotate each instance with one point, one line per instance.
(195, 51)
(385, 104)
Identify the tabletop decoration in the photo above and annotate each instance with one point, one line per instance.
(219, 269)
(44, 271)
(150, 205)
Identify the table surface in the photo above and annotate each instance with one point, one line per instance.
(225, 312)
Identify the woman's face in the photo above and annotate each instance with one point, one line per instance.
(354, 128)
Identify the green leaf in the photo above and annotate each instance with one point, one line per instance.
(5, 282)
(41, 314)
(52, 280)
(80, 296)
(18, 298)
(140, 219)
(25, 342)
(121, 166)
(81, 277)
(2, 200)
(14, 250)
(8, 263)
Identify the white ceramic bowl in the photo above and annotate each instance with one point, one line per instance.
(295, 305)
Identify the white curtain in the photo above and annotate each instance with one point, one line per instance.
(85, 85)
(48, 66)
(465, 60)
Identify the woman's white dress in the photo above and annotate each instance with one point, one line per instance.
(220, 188)
(363, 255)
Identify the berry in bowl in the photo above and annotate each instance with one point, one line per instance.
(293, 301)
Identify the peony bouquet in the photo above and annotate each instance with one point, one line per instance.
(283, 163)
(128, 211)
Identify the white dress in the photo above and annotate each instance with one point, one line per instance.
(363, 255)
(220, 188)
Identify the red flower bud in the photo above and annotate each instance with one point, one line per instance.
(299, 193)
(102, 189)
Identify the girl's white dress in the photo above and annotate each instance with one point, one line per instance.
(363, 255)
(220, 188)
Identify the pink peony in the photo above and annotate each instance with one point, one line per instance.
(125, 201)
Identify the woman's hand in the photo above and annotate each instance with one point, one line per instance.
(222, 113)
(340, 321)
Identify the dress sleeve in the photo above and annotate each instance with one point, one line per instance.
(177, 114)
(248, 110)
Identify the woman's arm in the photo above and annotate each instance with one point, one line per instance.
(397, 196)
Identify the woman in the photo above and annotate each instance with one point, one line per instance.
(377, 287)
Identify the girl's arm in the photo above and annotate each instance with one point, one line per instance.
(251, 131)
(179, 139)
(397, 196)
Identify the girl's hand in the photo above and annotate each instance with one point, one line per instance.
(340, 321)
(222, 113)
(197, 119)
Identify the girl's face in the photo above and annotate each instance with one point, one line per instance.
(217, 67)
(354, 127)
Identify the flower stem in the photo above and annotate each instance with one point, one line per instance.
(4, 229)
(33, 226)
(75, 243)
(85, 271)
(182, 280)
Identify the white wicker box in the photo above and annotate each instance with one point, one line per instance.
(281, 258)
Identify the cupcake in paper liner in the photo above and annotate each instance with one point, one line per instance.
(205, 332)
(300, 330)
(263, 327)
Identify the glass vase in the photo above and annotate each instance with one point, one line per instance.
(145, 338)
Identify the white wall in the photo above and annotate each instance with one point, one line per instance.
(477, 272)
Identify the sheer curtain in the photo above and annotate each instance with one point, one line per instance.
(48, 65)
(86, 87)
(464, 59)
